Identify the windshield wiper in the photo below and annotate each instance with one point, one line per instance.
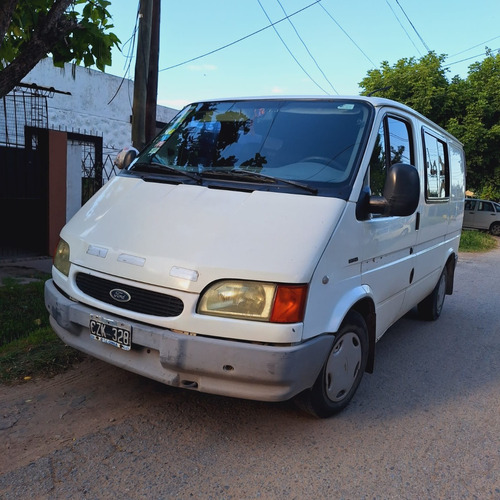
(258, 175)
(155, 167)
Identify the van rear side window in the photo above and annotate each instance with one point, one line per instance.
(437, 170)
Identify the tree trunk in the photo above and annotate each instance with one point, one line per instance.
(51, 28)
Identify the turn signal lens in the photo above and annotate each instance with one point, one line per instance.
(289, 304)
(61, 258)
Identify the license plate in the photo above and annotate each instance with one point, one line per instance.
(111, 332)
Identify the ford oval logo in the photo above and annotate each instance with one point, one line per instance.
(120, 295)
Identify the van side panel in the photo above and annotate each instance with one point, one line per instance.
(337, 275)
(440, 228)
(363, 259)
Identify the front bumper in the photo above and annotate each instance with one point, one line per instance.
(207, 364)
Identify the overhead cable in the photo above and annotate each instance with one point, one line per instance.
(347, 34)
(240, 39)
(307, 49)
(404, 29)
(472, 57)
(475, 46)
(129, 56)
(291, 53)
(414, 29)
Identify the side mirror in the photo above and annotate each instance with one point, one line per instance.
(125, 157)
(400, 197)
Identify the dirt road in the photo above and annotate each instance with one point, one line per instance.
(426, 424)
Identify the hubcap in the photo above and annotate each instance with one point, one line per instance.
(343, 367)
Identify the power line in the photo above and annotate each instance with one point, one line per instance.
(291, 53)
(240, 39)
(475, 46)
(404, 29)
(129, 56)
(414, 29)
(347, 35)
(307, 49)
(471, 57)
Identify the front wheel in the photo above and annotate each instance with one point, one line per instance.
(342, 372)
(430, 308)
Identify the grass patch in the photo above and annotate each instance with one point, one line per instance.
(28, 346)
(476, 241)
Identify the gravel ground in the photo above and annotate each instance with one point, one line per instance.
(425, 425)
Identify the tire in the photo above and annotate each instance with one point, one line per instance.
(342, 372)
(495, 229)
(430, 308)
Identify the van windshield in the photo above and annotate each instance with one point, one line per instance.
(268, 143)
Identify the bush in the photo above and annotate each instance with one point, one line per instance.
(28, 346)
(476, 241)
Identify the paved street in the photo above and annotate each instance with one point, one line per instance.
(425, 425)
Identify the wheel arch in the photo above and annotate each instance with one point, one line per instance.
(450, 266)
(494, 225)
(366, 308)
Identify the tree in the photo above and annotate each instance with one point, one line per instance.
(478, 126)
(70, 30)
(468, 108)
(421, 84)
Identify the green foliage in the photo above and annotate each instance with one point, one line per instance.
(28, 346)
(81, 35)
(41, 353)
(21, 310)
(476, 241)
(469, 109)
(419, 84)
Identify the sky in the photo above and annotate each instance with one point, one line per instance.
(326, 48)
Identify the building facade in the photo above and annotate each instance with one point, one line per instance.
(60, 131)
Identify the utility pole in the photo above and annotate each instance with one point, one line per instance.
(146, 73)
(152, 87)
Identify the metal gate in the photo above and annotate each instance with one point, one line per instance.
(23, 174)
(24, 171)
(97, 165)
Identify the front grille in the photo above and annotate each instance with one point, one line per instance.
(141, 301)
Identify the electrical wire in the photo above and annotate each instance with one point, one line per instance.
(404, 29)
(307, 49)
(347, 35)
(129, 56)
(291, 53)
(475, 46)
(240, 39)
(414, 29)
(472, 57)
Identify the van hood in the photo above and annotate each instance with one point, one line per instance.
(185, 236)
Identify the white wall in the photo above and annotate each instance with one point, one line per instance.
(99, 105)
(92, 108)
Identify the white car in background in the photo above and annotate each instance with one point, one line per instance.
(482, 214)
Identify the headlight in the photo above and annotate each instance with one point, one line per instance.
(61, 258)
(254, 301)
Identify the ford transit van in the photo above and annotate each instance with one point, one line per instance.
(259, 248)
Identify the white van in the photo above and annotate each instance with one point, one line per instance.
(258, 248)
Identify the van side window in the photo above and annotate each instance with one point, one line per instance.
(437, 170)
(394, 145)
